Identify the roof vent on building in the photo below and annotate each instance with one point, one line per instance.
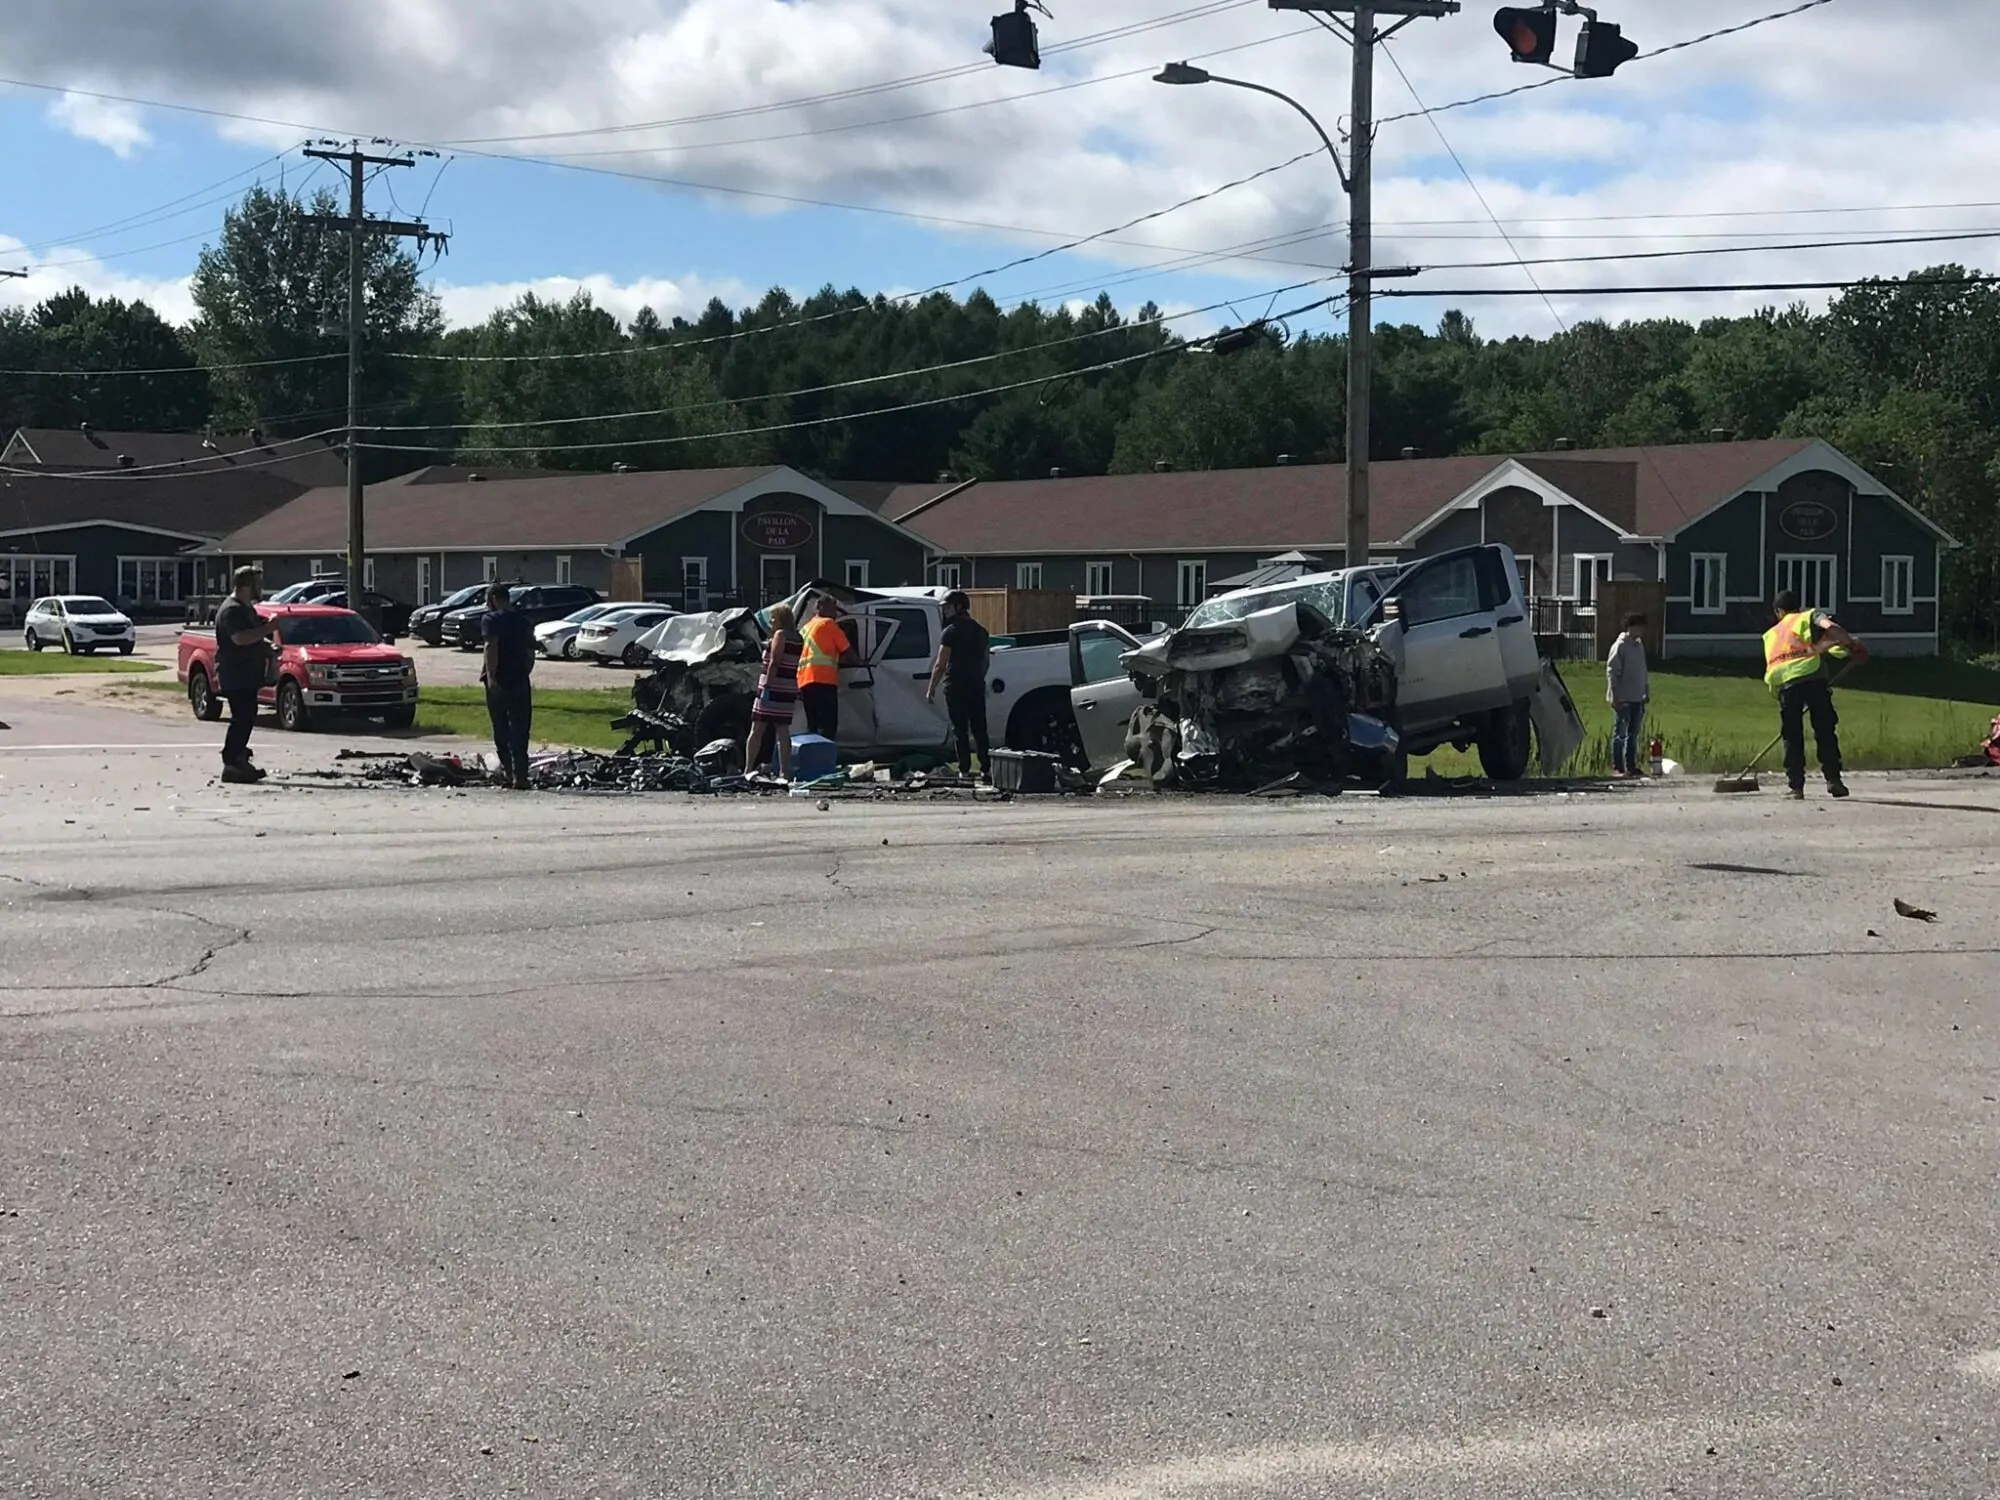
(621, 468)
(475, 479)
(84, 428)
(1284, 460)
(1413, 453)
(1721, 435)
(1565, 445)
(124, 460)
(945, 476)
(1163, 466)
(1055, 473)
(257, 436)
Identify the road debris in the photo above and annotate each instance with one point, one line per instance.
(1914, 913)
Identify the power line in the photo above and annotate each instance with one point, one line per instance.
(198, 369)
(1694, 287)
(154, 215)
(219, 462)
(1628, 255)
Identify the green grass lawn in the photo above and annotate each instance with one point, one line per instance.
(579, 717)
(57, 663)
(1715, 715)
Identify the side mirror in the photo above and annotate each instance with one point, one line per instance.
(1392, 609)
(388, 638)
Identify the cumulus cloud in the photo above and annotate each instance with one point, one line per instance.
(683, 297)
(112, 125)
(61, 269)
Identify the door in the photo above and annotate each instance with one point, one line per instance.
(857, 687)
(900, 650)
(775, 577)
(1449, 664)
(423, 580)
(1102, 694)
(1498, 585)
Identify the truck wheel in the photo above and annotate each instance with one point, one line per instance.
(636, 655)
(201, 698)
(1506, 744)
(399, 718)
(292, 715)
(1045, 721)
(724, 719)
(34, 641)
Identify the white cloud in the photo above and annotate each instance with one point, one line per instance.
(114, 126)
(60, 269)
(684, 297)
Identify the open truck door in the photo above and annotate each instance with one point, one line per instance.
(1102, 694)
(1559, 730)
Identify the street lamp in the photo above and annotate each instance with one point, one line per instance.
(1360, 328)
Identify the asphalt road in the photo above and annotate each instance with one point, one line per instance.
(423, 1144)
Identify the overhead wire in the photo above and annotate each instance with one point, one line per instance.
(180, 468)
(1691, 288)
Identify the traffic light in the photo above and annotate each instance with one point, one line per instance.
(1015, 44)
(1531, 33)
(1601, 49)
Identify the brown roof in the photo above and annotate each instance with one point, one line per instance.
(303, 462)
(571, 510)
(196, 506)
(460, 474)
(1649, 491)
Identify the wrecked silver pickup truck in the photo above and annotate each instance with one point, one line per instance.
(1337, 675)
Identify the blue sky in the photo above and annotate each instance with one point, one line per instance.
(1748, 139)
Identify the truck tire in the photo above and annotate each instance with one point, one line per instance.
(725, 718)
(1045, 721)
(293, 716)
(1506, 743)
(201, 697)
(34, 642)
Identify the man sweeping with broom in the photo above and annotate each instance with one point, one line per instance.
(1795, 651)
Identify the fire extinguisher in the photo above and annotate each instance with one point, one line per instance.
(1656, 755)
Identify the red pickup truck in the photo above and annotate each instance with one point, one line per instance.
(326, 661)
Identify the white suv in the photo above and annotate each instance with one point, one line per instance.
(80, 623)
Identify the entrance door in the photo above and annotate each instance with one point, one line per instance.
(423, 580)
(777, 575)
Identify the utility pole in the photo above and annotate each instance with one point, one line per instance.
(357, 225)
(1360, 29)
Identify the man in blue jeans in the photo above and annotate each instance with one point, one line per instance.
(1627, 690)
(510, 700)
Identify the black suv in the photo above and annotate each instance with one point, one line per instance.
(540, 602)
(427, 621)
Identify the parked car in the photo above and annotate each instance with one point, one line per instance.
(540, 602)
(1369, 665)
(427, 620)
(81, 624)
(555, 638)
(311, 590)
(614, 637)
(324, 661)
(394, 617)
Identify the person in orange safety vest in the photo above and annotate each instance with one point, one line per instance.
(1795, 649)
(822, 644)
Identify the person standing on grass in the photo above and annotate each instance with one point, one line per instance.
(241, 658)
(964, 649)
(510, 696)
(777, 695)
(823, 643)
(1795, 649)
(1627, 689)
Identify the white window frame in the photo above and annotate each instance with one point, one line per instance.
(316, 568)
(1907, 565)
(565, 569)
(1191, 582)
(951, 575)
(695, 599)
(166, 573)
(489, 570)
(1524, 569)
(423, 580)
(21, 565)
(856, 572)
(1028, 575)
(1584, 565)
(1716, 565)
(1792, 568)
(368, 572)
(1100, 579)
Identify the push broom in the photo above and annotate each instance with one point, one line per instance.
(1747, 782)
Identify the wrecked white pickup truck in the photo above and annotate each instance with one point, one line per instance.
(1337, 675)
(705, 669)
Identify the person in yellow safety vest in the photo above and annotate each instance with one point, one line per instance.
(822, 644)
(1795, 649)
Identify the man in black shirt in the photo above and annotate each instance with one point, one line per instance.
(510, 699)
(963, 650)
(241, 657)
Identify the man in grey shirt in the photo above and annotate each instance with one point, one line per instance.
(1627, 689)
(240, 658)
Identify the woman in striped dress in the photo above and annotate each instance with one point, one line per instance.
(777, 694)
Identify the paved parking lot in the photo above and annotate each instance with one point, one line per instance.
(430, 1144)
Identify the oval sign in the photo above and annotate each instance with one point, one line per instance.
(1808, 520)
(777, 530)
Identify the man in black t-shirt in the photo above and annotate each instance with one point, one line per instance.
(510, 698)
(963, 651)
(241, 655)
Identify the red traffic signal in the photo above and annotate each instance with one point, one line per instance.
(1530, 33)
(1015, 42)
(1601, 49)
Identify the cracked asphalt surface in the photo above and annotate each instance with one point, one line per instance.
(388, 1143)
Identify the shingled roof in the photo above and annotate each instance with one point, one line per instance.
(1646, 491)
(196, 507)
(304, 462)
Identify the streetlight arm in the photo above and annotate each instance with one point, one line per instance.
(1258, 88)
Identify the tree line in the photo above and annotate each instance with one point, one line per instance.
(1903, 375)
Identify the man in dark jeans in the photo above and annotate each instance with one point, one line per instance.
(964, 648)
(510, 701)
(241, 656)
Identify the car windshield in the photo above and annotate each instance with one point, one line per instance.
(1323, 595)
(588, 612)
(327, 630)
(464, 597)
(86, 606)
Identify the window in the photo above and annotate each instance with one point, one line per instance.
(1099, 580)
(1709, 592)
(1897, 575)
(694, 584)
(1444, 591)
(1027, 575)
(149, 580)
(1526, 567)
(951, 575)
(423, 580)
(1193, 583)
(912, 641)
(1102, 651)
(368, 572)
(1810, 577)
(1591, 569)
(563, 568)
(316, 568)
(489, 569)
(857, 572)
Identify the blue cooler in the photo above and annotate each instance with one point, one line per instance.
(813, 756)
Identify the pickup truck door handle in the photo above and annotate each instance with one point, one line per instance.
(1475, 632)
(1513, 619)
(1087, 704)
